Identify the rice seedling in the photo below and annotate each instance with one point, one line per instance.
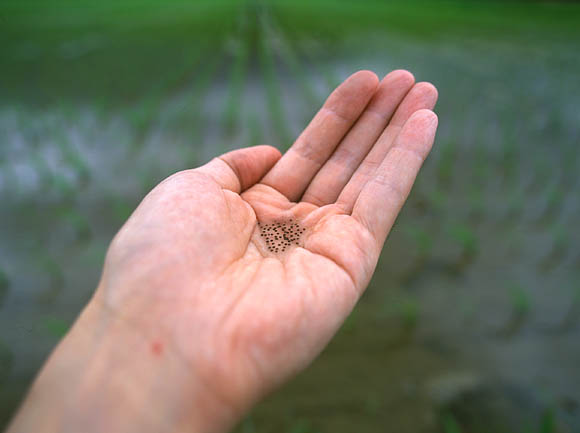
(74, 159)
(350, 323)
(241, 52)
(569, 163)
(4, 286)
(248, 425)
(329, 75)
(514, 211)
(476, 201)
(6, 362)
(189, 118)
(437, 200)
(409, 312)
(572, 317)
(274, 100)
(542, 173)
(143, 117)
(78, 222)
(553, 206)
(450, 424)
(560, 245)
(300, 426)
(405, 312)
(42, 170)
(56, 279)
(446, 162)
(49, 180)
(520, 309)
(256, 133)
(55, 326)
(423, 240)
(64, 187)
(423, 245)
(509, 160)
(521, 302)
(149, 176)
(121, 208)
(548, 421)
(468, 242)
(373, 404)
(288, 54)
(480, 166)
(9, 183)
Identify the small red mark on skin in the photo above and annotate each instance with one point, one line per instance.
(157, 348)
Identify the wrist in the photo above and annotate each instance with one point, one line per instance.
(107, 376)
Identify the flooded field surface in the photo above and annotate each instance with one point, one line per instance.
(472, 320)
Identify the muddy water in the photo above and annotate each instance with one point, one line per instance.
(472, 316)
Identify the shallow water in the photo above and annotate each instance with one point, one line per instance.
(473, 313)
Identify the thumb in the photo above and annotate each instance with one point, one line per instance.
(240, 169)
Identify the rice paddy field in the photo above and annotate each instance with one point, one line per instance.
(472, 320)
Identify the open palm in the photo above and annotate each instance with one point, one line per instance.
(249, 264)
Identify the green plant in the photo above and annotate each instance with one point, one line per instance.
(438, 199)
(466, 238)
(274, 100)
(446, 162)
(287, 52)
(548, 421)
(64, 186)
(521, 306)
(55, 326)
(373, 404)
(509, 159)
(43, 171)
(406, 309)
(520, 300)
(573, 314)
(481, 164)
(6, 362)
(409, 311)
(560, 237)
(423, 239)
(73, 158)
(190, 115)
(450, 424)
(300, 426)
(241, 53)
(4, 286)
(476, 202)
(121, 208)
(56, 278)
(248, 425)
(78, 222)
(350, 323)
(256, 133)
(143, 117)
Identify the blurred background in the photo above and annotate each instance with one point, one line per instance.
(471, 323)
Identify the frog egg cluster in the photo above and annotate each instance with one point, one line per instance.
(279, 236)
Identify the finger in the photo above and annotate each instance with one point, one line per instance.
(294, 171)
(383, 196)
(336, 172)
(240, 169)
(421, 96)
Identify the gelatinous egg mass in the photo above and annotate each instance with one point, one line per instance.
(279, 236)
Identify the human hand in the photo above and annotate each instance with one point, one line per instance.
(198, 273)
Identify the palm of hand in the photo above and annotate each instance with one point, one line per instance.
(193, 257)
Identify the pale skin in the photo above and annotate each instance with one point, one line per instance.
(195, 319)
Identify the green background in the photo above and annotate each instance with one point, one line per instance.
(471, 323)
